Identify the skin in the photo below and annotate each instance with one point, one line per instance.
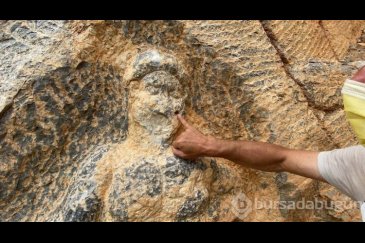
(192, 144)
(359, 75)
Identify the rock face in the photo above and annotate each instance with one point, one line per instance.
(87, 116)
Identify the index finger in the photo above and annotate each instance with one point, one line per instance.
(183, 121)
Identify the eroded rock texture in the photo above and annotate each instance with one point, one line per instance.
(87, 115)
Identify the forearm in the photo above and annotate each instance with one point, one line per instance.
(191, 144)
(258, 155)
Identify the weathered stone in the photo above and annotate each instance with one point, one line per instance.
(87, 115)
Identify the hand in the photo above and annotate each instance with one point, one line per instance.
(190, 144)
(359, 75)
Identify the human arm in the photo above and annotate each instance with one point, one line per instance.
(191, 144)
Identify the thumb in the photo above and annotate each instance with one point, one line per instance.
(183, 121)
(178, 152)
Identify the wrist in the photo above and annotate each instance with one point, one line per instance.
(213, 147)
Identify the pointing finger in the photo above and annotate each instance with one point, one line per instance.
(183, 121)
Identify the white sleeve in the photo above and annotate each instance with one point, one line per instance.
(345, 169)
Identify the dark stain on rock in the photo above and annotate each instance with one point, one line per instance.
(145, 176)
(191, 206)
(30, 118)
(118, 209)
(215, 168)
(177, 170)
(88, 214)
(213, 209)
(44, 137)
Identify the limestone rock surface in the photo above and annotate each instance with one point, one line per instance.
(87, 116)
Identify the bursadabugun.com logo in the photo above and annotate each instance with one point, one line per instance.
(242, 206)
